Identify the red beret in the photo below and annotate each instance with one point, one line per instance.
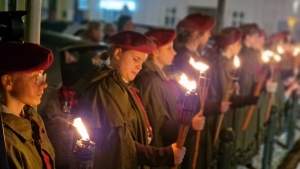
(133, 41)
(161, 37)
(198, 22)
(277, 37)
(262, 33)
(23, 57)
(228, 36)
(286, 33)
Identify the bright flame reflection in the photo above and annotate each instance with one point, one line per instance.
(190, 85)
(198, 65)
(277, 57)
(236, 61)
(296, 52)
(81, 129)
(266, 55)
(280, 50)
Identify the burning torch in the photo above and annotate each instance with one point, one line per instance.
(203, 84)
(85, 148)
(188, 110)
(274, 71)
(266, 58)
(236, 62)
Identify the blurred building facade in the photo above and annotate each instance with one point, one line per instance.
(271, 15)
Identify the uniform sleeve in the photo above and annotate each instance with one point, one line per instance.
(154, 157)
(102, 105)
(114, 148)
(240, 101)
(220, 82)
(163, 126)
(14, 156)
(103, 109)
(212, 108)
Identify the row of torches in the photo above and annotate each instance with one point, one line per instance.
(85, 148)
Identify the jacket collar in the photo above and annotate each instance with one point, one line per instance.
(150, 66)
(17, 124)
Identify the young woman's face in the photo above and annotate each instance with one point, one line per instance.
(235, 48)
(260, 42)
(96, 34)
(28, 88)
(166, 54)
(202, 39)
(130, 62)
(252, 39)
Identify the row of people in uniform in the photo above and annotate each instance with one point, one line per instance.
(132, 107)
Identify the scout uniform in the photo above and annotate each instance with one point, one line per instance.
(159, 95)
(248, 76)
(114, 113)
(27, 143)
(221, 74)
(192, 23)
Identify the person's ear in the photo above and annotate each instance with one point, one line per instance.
(117, 53)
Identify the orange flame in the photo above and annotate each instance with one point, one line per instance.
(190, 85)
(236, 61)
(81, 129)
(198, 65)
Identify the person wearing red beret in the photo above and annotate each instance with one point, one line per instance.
(228, 42)
(248, 77)
(158, 92)
(193, 32)
(23, 81)
(114, 114)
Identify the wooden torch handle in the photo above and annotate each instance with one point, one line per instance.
(256, 93)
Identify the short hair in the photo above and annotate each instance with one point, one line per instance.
(122, 21)
(249, 29)
(92, 25)
(108, 26)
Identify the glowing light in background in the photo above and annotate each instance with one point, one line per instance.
(117, 4)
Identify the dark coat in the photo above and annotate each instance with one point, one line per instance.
(117, 122)
(161, 104)
(21, 150)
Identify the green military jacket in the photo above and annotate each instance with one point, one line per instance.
(248, 77)
(114, 118)
(220, 81)
(22, 152)
(160, 102)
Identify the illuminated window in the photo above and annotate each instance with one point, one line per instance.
(117, 4)
(83, 5)
(237, 18)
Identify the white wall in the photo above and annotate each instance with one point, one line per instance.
(152, 12)
(94, 10)
(203, 3)
(68, 7)
(266, 13)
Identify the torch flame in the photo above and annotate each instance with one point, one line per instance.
(266, 55)
(198, 65)
(81, 129)
(296, 52)
(277, 57)
(236, 61)
(190, 85)
(280, 50)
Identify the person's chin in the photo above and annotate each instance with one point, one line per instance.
(168, 64)
(131, 78)
(36, 102)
